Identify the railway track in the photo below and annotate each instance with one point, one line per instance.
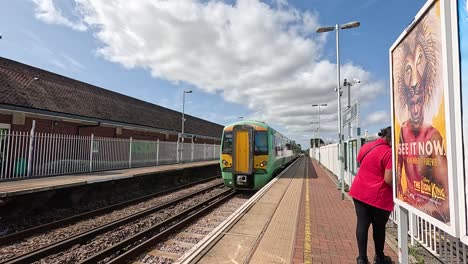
(124, 251)
(7, 239)
(172, 248)
(85, 237)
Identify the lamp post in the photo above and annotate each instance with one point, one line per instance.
(349, 84)
(313, 136)
(183, 122)
(319, 126)
(337, 28)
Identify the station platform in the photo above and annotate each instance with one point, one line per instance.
(26, 186)
(301, 218)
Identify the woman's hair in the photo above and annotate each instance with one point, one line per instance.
(386, 133)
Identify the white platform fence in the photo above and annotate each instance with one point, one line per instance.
(29, 154)
(443, 246)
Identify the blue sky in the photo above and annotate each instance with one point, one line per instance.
(463, 35)
(257, 59)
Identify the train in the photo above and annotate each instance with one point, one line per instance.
(252, 153)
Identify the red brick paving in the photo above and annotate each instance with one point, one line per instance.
(333, 223)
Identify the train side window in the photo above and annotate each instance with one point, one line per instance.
(345, 156)
(227, 143)
(353, 156)
(261, 143)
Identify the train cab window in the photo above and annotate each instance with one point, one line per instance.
(227, 143)
(261, 143)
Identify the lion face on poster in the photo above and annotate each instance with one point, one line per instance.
(417, 74)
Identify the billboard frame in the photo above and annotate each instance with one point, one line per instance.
(462, 168)
(447, 81)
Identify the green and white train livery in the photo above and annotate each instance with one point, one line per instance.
(252, 153)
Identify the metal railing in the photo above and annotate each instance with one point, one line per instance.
(446, 248)
(443, 246)
(29, 154)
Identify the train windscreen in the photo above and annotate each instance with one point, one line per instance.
(261, 143)
(227, 143)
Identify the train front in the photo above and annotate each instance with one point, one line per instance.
(244, 156)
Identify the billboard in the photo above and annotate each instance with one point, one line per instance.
(419, 99)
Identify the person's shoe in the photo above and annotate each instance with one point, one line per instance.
(383, 260)
(362, 260)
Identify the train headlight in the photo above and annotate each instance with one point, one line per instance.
(264, 163)
(225, 163)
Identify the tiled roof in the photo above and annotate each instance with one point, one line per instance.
(57, 93)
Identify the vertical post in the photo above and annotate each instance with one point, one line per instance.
(319, 133)
(315, 140)
(177, 151)
(130, 154)
(214, 150)
(403, 235)
(413, 227)
(157, 152)
(338, 92)
(91, 154)
(31, 147)
(183, 124)
(204, 151)
(192, 152)
(5, 135)
(358, 129)
(349, 106)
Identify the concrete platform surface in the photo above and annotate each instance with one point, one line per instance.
(25, 186)
(300, 219)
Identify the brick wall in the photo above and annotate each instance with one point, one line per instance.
(143, 135)
(97, 131)
(47, 126)
(44, 125)
(5, 119)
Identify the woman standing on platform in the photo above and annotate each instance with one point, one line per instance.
(372, 195)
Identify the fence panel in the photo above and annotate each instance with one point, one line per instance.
(186, 149)
(144, 153)
(167, 152)
(59, 154)
(199, 152)
(14, 147)
(110, 153)
(24, 155)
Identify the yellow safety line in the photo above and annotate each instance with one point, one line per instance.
(307, 234)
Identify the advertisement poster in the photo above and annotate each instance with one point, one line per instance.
(419, 118)
(463, 45)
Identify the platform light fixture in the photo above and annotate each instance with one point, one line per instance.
(319, 105)
(349, 84)
(183, 123)
(313, 134)
(337, 28)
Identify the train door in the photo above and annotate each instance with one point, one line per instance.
(242, 158)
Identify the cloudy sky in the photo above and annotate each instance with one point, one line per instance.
(255, 59)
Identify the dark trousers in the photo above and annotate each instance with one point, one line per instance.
(366, 215)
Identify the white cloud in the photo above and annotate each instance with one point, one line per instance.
(48, 13)
(267, 58)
